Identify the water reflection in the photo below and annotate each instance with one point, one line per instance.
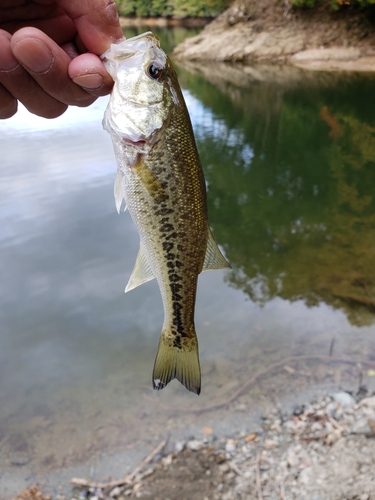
(291, 186)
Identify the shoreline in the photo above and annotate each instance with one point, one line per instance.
(297, 452)
(164, 22)
(236, 423)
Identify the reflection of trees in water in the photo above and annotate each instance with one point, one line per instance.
(297, 218)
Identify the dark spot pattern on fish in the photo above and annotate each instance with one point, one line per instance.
(166, 228)
(173, 277)
(175, 288)
(163, 210)
(177, 322)
(173, 235)
(167, 246)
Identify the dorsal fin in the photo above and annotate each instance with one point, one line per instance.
(142, 272)
(214, 259)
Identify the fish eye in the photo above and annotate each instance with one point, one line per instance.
(154, 71)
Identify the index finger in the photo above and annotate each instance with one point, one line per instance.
(97, 22)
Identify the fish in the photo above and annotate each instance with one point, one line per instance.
(160, 180)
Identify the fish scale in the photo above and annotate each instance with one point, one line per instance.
(161, 180)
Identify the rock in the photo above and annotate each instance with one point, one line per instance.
(230, 446)
(167, 460)
(224, 468)
(316, 427)
(195, 445)
(115, 492)
(370, 402)
(298, 410)
(18, 458)
(362, 426)
(250, 437)
(344, 399)
(306, 475)
(291, 458)
(179, 446)
(331, 409)
(333, 437)
(270, 443)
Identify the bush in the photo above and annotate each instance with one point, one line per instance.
(335, 4)
(178, 8)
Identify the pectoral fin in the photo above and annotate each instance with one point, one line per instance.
(214, 259)
(119, 192)
(142, 272)
(151, 184)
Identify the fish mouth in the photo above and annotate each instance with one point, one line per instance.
(136, 143)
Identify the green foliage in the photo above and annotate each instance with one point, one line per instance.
(335, 4)
(304, 3)
(177, 8)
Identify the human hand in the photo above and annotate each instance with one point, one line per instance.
(49, 53)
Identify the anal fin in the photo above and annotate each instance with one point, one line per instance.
(142, 272)
(214, 259)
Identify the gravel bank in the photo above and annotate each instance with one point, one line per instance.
(323, 450)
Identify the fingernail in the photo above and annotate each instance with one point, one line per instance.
(34, 55)
(89, 81)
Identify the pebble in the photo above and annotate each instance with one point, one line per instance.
(270, 443)
(305, 475)
(345, 399)
(19, 459)
(230, 446)
(195, 445)
(362, 426)
(179, 446)
(115, 492)
(250, 437)
(167, 460)
(370, 402)
(291, 458)
(331, 409)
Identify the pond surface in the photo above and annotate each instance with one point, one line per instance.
(289, 159)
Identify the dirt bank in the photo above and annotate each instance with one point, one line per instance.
(318, 39)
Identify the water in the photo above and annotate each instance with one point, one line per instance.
(289, 159)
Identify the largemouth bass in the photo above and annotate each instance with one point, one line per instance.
(161, 180)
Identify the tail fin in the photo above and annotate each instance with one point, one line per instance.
(180, 362)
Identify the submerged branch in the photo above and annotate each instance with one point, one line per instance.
(129, 479)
